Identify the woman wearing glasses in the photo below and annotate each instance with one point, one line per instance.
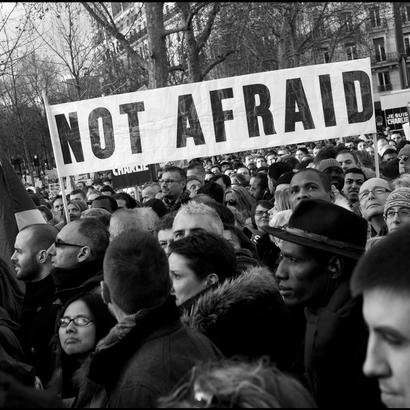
(85, 320)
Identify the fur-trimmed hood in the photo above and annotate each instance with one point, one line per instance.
(203, 312)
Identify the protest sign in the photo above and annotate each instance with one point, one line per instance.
(213, 117)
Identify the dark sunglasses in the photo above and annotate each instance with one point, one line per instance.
(231, 202)
(59, 243)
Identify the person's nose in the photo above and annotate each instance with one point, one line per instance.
(371, 194)
(375, 364)
(71, 328)
(14, 256)
(302, 194)
(51, 250)
(281, 271)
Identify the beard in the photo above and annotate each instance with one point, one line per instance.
(30, 270)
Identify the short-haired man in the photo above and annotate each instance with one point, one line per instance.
(347, 159)
(150, 191)
(139, 219)
(223, 180)
(354, 179)
(372, 196)
(173, 184)
(275, 171)
(39, 310)
(78, 194)
(165, 232)
(77, 257)
(396, 137)
(309, 183)
(245, 172)
(260, 161)
(196, 169)
(249, 159)
(382, 279)
(259, 187)
(270, 157)
(320, 248)
(196, 216)
(106, 202)
(150, 350)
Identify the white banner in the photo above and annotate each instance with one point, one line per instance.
(213, 117)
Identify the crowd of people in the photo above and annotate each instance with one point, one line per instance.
(268, 278)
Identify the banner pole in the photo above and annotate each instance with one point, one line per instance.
(51, 130)
(376, 156)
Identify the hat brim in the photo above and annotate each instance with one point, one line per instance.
(289, 237)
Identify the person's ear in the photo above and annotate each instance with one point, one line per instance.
(336, 265)
(84, 253)
(332, 197)
(105, 293)
(42, 256)
(212, 279)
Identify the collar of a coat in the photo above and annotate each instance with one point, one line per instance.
(154, 324)
(204, 309)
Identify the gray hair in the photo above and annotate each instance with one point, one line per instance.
(198, 208)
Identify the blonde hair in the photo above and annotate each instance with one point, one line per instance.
(233, 383)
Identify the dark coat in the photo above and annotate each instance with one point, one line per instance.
(151, 359)
(37, 326)
(244, 316)
(9, 337)
(335, 350)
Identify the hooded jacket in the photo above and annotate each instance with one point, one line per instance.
(244, 316)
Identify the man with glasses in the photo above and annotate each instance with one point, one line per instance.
(372, 196)
(77, 257)
(173, 184)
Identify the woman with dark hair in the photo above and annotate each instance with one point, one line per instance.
(85, 320)
(240, 311)
(260, 214)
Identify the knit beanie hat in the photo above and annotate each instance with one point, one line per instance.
(398, 197)
(405, 151)
(327, 163)
(387, 149)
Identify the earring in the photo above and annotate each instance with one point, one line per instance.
(333, 270)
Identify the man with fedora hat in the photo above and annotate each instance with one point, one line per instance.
(321, 245)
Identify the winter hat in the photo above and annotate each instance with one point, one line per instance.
(387, 148)
(327, 163)
(398, 197)
(405, 151)
(391, 169)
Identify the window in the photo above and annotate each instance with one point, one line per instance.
(375, 16)
(326, 55)
(405, 13)
(379, 49)
(351, 51)
(347, 22)
(384, 81)
(407, 45)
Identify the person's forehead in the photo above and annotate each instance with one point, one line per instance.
(171, 175)
(191, 221)
(384, 308)
(306, 178)
(373, 183)
(344, 157)
(301, 251)
(24, 237)
(165, 234)
(352, 175)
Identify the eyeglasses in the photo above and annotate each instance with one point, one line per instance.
(78, 321)
(168, 181)
(404, 158)
(403, 213)
(375, 191)
(260, 213)
(231, 202)
(59, 243)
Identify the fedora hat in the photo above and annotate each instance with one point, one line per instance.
(323, 225)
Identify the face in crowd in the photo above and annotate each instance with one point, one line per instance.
(346, 161)
(372, 196)
(171, 185)
(352, 185)
(307, 185)
(388, 348)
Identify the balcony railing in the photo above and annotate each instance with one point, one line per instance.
(374, 25)
(383, 88)
(384, 57)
